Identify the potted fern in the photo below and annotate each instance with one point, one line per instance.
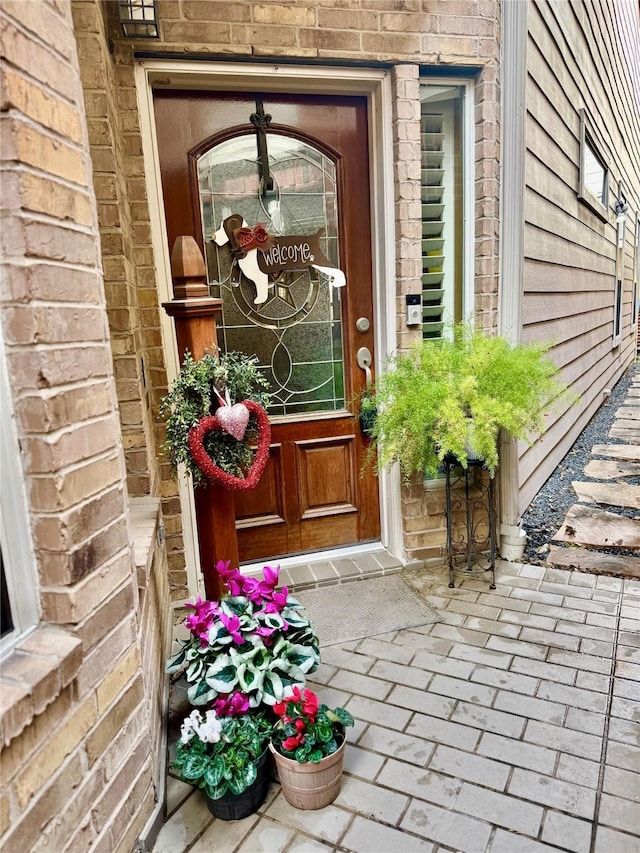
(449, 399)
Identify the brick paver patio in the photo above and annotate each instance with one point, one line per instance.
(511, 726)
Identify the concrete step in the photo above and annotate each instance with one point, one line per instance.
(626, 430)
(617, 451)
(626, 411)
(607, 469)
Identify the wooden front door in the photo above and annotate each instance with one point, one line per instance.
(305, 333)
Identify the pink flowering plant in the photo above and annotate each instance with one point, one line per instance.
(248, 649)
(307, 730)
(221, 754)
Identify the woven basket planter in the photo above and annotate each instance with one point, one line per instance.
(310, 786)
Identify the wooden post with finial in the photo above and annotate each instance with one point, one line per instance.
(194, 312)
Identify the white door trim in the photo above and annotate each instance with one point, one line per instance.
(375, 84)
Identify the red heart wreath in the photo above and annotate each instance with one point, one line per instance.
(210, 469)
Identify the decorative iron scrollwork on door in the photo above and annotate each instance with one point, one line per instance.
(278, 300)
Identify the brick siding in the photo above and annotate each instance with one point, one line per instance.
(129, 266)
(132, 304)
(78, 722)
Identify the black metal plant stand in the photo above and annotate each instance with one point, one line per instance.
(471, 520)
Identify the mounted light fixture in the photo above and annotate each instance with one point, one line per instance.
(139, 19)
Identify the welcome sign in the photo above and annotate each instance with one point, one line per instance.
(260, 254)
(292, 253)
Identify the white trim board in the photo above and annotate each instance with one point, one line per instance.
(375, 84)
(512, 172)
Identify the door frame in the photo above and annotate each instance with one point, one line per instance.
(375, 84)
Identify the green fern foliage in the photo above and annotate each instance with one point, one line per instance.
(451, 397)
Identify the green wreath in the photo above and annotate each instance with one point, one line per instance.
(193, 396)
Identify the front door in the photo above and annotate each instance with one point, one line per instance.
(305, 331)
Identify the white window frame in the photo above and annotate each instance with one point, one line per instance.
(468, 184)
(618, 291)
(599, 206)
(15, 534)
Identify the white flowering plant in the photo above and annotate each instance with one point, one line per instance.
(221, 754)
(251, 648)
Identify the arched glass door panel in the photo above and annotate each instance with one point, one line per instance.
(296, 332)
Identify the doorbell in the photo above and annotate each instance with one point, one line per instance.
(414, 309)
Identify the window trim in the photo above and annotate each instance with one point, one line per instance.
(15, 534)
(618, 293)
(467, 259)
(587, 138)
(618, 282)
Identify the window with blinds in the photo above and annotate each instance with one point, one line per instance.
(618, 285)
(441, 195)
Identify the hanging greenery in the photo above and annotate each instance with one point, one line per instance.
(193, 397)
(451, 397)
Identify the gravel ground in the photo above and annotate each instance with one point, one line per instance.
(547, 511)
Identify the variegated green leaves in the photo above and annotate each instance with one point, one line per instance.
(260, 654)
(262, 673)
(228, 764)
(308, 731)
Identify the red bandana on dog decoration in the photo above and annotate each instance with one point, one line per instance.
(229, 421)
(246, 238)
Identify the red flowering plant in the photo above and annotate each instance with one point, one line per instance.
(247, 650)
(307, 730)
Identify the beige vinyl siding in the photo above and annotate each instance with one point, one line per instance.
(575, 60)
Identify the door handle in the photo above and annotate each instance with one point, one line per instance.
(363, 358)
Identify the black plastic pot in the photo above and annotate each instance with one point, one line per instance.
(236, 806)
(367, 417)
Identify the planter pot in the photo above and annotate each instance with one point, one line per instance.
(310, 786)
(472, 457)
(236, 806)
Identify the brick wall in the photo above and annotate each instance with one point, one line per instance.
(77, 718)
(128, 263)
(487, 192)
(408, 34)
(78, 766)
(408, 187)
(129, 279)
